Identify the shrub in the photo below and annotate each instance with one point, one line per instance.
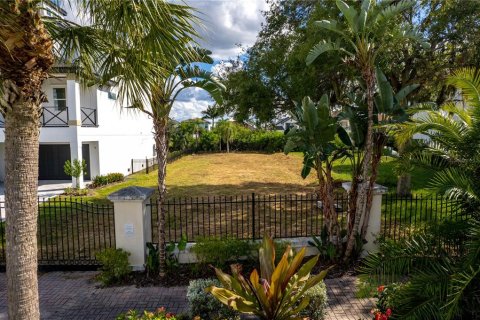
(317, 305)
(159, 314)
(204, 304)
(115, 267)
(220, 251)
(75, 192)
(103, 180)
(209, 141)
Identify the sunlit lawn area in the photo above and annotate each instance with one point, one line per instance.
(244, 173)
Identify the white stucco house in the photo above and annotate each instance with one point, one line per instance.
(89, 124)
(85, 123)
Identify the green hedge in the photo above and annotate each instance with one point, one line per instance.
(244, 140)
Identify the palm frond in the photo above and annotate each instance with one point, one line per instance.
(467, 80)
(455, 183)
(322, 47)
(392, 10)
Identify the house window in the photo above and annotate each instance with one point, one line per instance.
(59, 98)
(112, 95)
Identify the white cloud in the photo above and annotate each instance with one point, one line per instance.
(229, 22)
(190, 104)
(226, 24)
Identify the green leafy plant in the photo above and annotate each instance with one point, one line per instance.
(277, 293)
(327, 250)
(115, 266)
(317, 306)
(159, 314)
(75, 169)
(153, 262)
(220, 251)
(204, 304)
(172, 257)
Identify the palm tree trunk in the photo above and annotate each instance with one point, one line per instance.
(160, 127)
(362, 197)
(21, 183)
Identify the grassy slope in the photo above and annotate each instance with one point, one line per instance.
(243, 173)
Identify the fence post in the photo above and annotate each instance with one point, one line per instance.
(146, 164)
(132, 167)
(133, 222)
(253, 216)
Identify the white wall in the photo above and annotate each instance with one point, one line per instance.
(122, 134)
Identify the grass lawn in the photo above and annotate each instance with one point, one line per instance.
(244, 173)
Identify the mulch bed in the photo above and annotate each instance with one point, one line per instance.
(183, 273)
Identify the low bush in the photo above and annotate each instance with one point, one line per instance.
(115, 266)
(75, 192)
(317, 306)
(159, 314)
(204, 304)
(221, 251)
(103, 180)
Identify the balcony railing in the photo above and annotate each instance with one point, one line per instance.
(55, 117)
(89, 117)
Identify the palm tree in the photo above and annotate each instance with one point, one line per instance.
(452, 139)
(441, 285)
(164, 92)
(226, 129)
(124, 41)
(361, 38)
(211, 112)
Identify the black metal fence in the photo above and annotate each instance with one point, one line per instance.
(70, 232)
(404, 215)
(289, 216)
(149, 164)
(244, 217)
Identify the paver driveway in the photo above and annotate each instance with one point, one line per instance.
(74, 295)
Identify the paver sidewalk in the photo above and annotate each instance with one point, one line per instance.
(74, 295)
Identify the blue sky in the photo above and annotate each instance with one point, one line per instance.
(226, 24)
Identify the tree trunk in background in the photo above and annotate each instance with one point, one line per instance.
(160, 127)
(404, 184)
(362, 198)
(21, 183)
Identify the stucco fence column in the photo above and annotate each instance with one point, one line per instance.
(133, 222)
(374, 220)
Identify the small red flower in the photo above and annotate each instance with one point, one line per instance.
(380, 288)
(169, 315)
(377, 316)
(384, 317)
(388, 312)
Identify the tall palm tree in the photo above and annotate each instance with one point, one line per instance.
(164, 92)
(211, 112)
(124, 41)
(361, 37)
